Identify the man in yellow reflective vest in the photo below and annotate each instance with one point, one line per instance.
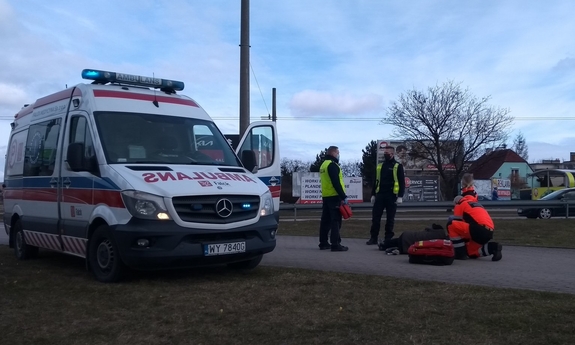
(333, 194)
(386, 194)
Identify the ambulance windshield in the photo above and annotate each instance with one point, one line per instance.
(159, 139)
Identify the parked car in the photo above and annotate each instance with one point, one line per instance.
(567, 194)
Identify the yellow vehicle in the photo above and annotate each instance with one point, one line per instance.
(550, 180)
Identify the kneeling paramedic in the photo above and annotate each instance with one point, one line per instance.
(471, 230)
(333, 194)
(387, 193)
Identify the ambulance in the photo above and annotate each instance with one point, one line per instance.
(128, 174)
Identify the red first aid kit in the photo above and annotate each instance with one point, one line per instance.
(345, 211)
(432, 252)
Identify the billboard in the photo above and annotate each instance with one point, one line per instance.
(310, 188)
(503, 188)
(412, 155)
(422, 188)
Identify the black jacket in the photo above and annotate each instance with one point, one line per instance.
(386, 179)
(333, 172)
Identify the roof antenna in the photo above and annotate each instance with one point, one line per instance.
(155, 101)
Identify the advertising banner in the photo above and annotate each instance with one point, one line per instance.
(503, 188)
(310, 189)
(421, 188)
(413, 156)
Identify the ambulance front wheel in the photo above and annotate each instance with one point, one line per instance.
(22, 250)
(103, 257)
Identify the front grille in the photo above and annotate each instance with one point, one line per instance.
(202, 209)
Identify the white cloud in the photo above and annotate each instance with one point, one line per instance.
(309, 102)
(11, 96)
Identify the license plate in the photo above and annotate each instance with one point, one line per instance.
(224, 248)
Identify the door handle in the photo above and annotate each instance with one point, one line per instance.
(54, 182)
(67, 182)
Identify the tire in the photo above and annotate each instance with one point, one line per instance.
(22, 250)
(545, 213)
(248, 264)
(104, 258)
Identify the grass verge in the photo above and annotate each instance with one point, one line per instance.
(52, 300)
(526, 232)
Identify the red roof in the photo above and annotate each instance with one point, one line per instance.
(487, 165)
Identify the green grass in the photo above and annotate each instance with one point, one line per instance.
(526, 232)
(52, 300)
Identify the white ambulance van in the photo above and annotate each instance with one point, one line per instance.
(128, 174)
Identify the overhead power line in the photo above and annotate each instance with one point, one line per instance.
(364, 119)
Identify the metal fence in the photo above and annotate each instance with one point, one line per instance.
(447, 206)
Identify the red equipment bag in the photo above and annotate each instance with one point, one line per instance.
(432, 252)
(345, 211)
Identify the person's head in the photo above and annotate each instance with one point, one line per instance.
(333, 151)
(388, 152)
(467, 181)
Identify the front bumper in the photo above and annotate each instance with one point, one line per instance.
(173, 246)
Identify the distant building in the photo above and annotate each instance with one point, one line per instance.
(504, 169)
(555, 163)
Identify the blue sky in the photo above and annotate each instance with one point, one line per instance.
(327, 59)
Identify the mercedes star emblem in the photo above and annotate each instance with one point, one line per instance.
(224, 208)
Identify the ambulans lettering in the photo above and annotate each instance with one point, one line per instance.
(179, 176)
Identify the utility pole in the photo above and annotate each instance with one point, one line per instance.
(274, 117)
(245, 68)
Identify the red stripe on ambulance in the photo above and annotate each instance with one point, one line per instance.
(40, 239)
(276, 191)
(75, 245)
(55, 97)
(144, 97)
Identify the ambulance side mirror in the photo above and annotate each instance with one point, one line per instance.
(75, 157)
(249, 160)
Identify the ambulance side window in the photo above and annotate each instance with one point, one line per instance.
(41, 148)
(261, 141)
(80, 133)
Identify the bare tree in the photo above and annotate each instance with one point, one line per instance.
(449, 127)
(520, 146)
(350, 168)
(289, 166)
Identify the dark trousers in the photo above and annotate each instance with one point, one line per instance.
(330, 221)
(383, 202)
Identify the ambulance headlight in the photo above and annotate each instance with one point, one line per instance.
(145, 205)
(267, 204)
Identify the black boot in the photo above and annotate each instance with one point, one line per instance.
(371, 241)
(494, 249)
(339, 248)
(461, 253)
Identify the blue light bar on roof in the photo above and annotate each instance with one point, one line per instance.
(130, 79)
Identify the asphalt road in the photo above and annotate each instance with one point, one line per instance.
(542, 269)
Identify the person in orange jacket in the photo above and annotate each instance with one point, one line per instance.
(471, 229)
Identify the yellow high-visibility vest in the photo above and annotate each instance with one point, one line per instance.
(395, 180)
(327, 188)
